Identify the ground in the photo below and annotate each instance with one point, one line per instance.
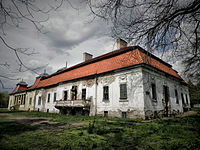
(37, 130)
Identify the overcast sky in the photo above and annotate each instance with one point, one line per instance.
(68, 33)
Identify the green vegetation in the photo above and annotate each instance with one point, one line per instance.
(98, 133)
(194, 91)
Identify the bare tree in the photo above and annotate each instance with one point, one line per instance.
(160, 25)
(13, 14)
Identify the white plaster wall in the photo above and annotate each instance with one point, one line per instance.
(161, 79)
(37, 97)
(133, 105)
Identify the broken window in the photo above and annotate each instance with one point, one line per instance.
(48, 98)
(186, 98)
(153, 87)
(83, 94)
(123, 91)
(39, 100)
(182, 96)
(176, 95)
(105, 93)
(105, 113)
(30, 100)
(123, 114)
(74, 92)
(65, 95)
(54, 97)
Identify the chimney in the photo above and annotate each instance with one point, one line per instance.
(86, 56)
(66, 64)
(121, 43)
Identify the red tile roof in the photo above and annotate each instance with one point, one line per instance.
(19, 88)
(122, 58)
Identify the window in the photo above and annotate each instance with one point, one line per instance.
(47, 110)
(30, 100)
(182, 96)
(186, 98)
(39, 100)
(123, 91)
(176, 95)
(65, 95)
(48, 98)
(74, 92)
(153, 87)
(83, 94)
(105, 113)
(105, 93)
(123, 114)
(54, 97)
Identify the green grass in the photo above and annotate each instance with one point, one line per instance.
(101, 133)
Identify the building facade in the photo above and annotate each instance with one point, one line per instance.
(128, 82)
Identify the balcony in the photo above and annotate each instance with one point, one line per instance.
(73, 103)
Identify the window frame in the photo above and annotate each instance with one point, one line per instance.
(182, 97)
(54, 97)
(39, 100)
(83, 95)
(48, 97)
(123, 91)
(65, 95)
(105, 92)
(176, 96)
(154, 91)
(30, 101)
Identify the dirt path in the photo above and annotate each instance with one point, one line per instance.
(42, 123)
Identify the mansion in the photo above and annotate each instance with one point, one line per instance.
(127, 82)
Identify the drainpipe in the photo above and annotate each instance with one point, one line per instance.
(95, 95)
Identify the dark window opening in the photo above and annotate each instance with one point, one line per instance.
(74, 92)
(186, 98)
(39, 100)
(47, 110)
(105, 93)
(176, 95)
(123, 114)
(83, 94)
(30, 101)
(54, 97)
(153, 87)
(65, 95)
(48, 98)
(105, 113)
(182, 96)
(123, 91)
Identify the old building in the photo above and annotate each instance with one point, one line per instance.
(128, 82)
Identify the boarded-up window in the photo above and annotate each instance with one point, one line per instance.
(30, 100)
(83, 94)
(176, 95)
(105, 92)
(123, 91)
(39, 100)
(65, 95)
(186, 98)
(48, 98)
(153, 87)
(182, 96)
(54, 97)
